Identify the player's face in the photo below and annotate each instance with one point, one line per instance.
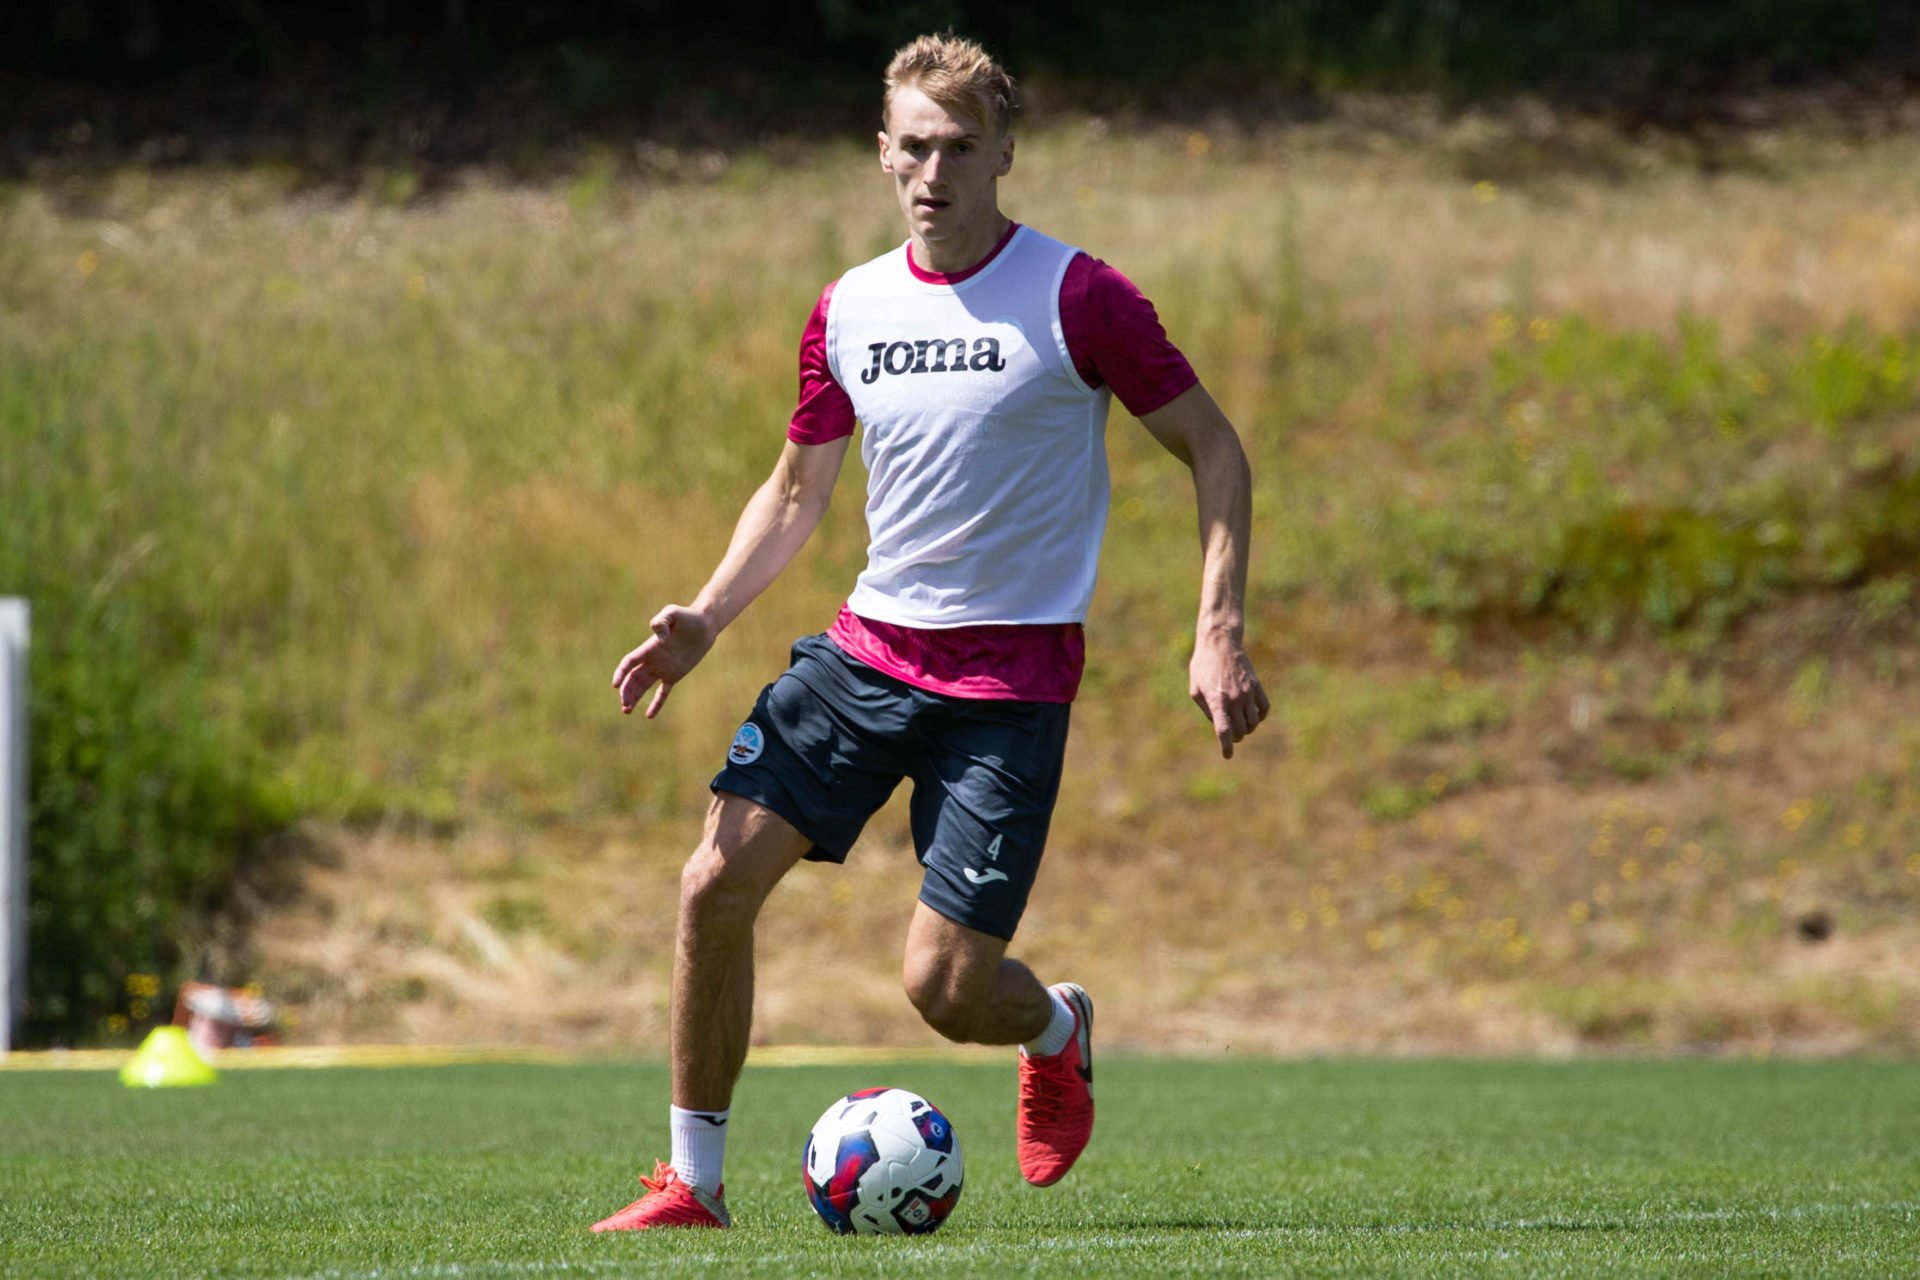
(945, 168)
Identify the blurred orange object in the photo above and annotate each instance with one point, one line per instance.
(224, 1017)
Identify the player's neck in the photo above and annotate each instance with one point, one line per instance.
(952, 256)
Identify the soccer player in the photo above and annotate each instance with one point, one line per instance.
(978, 359)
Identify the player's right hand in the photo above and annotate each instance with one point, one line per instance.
(681, 637)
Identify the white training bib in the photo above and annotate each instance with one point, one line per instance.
(986, 453)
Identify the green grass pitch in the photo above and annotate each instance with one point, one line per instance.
(1364, 1168)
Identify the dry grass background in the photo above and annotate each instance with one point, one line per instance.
(429, 466)
(1748, 902)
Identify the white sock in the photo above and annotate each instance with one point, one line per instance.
(1058, 1032)
(699, 1146)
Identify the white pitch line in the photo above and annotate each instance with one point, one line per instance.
(1137, 1240)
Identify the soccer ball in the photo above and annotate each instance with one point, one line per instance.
(882, 1162)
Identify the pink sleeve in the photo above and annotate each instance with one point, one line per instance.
(824, 412)
(1114, 336)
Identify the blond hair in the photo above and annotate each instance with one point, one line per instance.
(957, 74)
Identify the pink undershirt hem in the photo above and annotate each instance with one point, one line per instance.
(1037, 663)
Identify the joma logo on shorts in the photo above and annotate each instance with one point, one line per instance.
(936, 355)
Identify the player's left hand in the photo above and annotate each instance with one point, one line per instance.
(1221, 682)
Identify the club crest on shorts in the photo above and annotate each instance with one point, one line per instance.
(748, 743)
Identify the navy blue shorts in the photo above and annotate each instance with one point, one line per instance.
(830, 739)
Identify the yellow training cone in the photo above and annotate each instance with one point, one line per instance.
(167, 1059)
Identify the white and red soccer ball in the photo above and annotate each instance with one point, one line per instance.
(882, 1162)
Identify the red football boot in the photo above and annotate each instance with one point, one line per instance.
(669, 1202)
(1056, 1099)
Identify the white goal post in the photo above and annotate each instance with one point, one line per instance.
(14, 620)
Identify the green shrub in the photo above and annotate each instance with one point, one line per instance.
(140, 813)
(1665, 485)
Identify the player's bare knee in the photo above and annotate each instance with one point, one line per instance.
(714, 890)
(943, 1007)
(952, 1020)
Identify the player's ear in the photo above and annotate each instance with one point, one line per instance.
(886, 159)
(1006, 157)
